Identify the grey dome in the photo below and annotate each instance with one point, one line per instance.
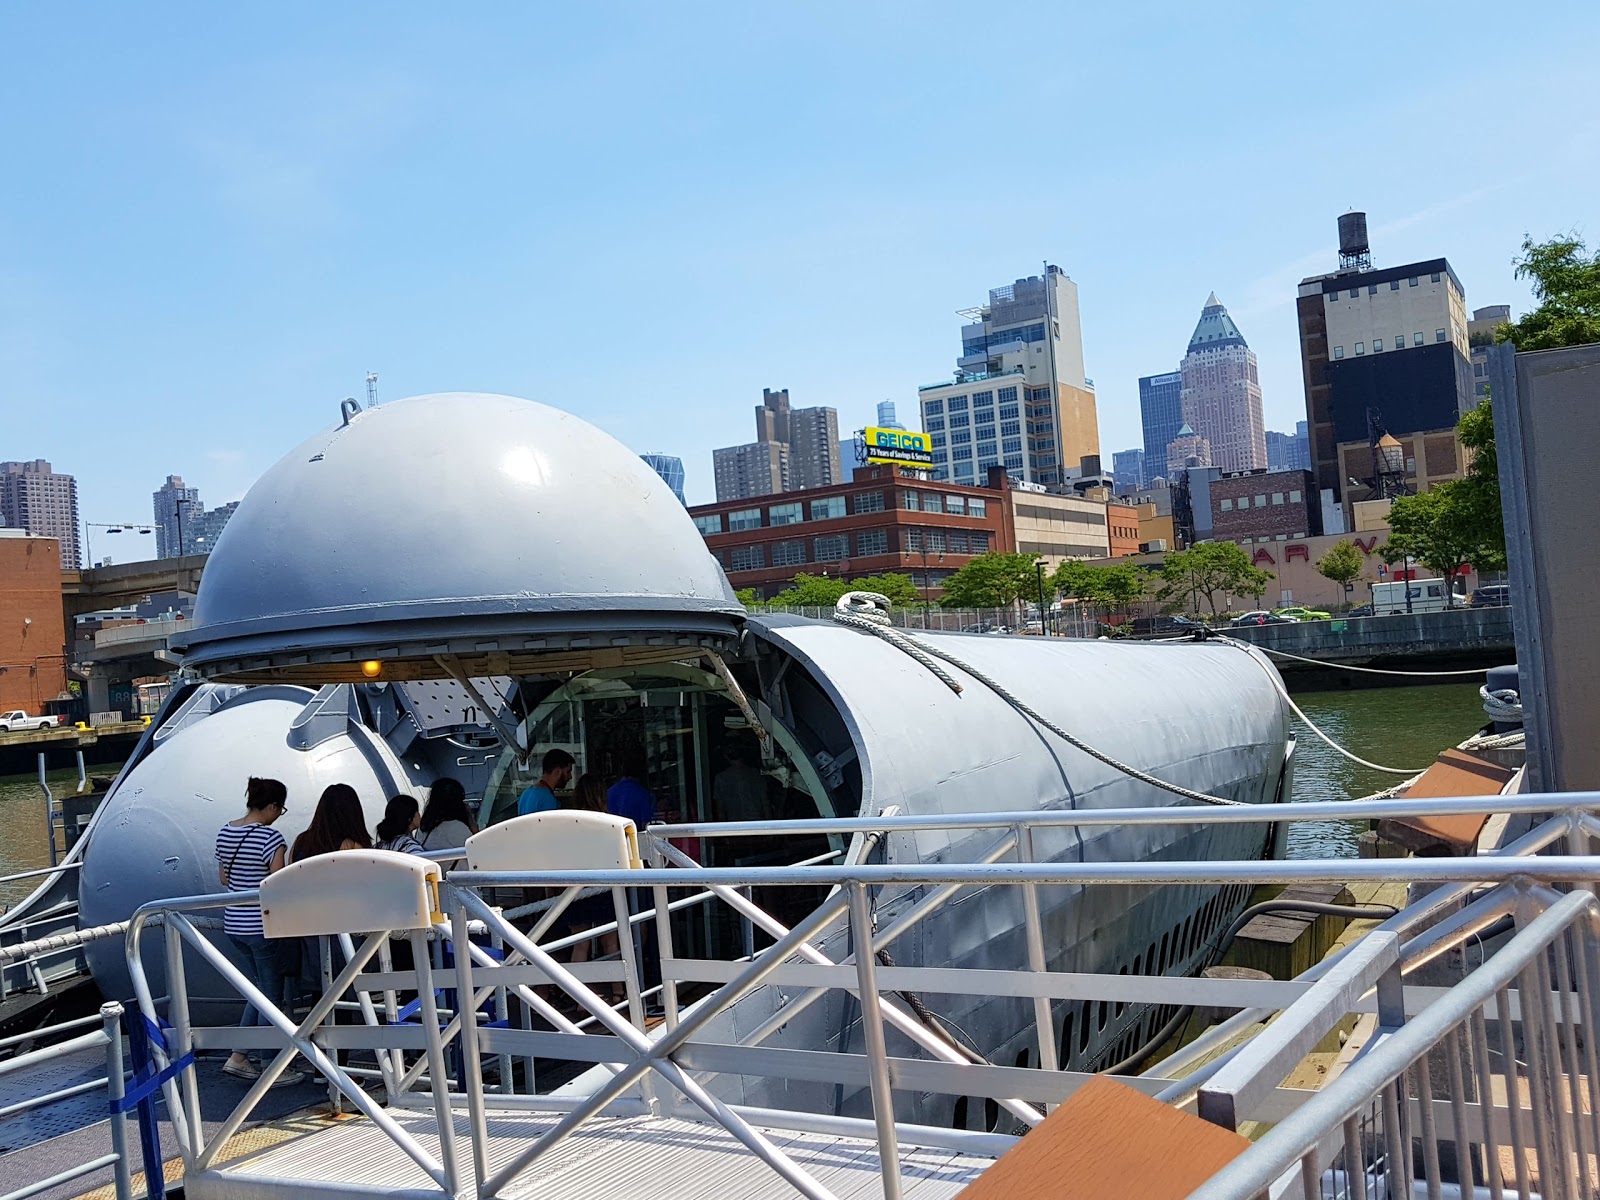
(482, 526)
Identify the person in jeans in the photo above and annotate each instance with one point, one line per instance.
(248, 850)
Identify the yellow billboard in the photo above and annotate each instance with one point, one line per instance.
(900, 446)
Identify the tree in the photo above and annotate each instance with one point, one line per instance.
(1210, 569)
(1342, 563)
(1444, 529)
(811, 591)
(1114, 587)
(992, 580)
(747, 597)
(902, 593)
(1566, 280)
(1480, 490)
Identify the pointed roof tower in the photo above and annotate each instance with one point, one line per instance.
(1216, 328)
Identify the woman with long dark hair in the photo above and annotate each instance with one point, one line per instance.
(446, 821)
(338, 824)
(400, 820)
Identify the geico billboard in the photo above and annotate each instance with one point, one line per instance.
(898, 446)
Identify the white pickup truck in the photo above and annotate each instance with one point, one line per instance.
(11, 722)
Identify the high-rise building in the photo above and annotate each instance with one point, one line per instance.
(1383, 350)
(1161, 414)
(1020, 397)
(670, 468)
(1127, 468)
(1288, 451)
(179, 518)
(1481, 331)
(1222, 391)
(886, 416)
(212, 523)
(1188, 449)
(36, 498)
(794, 448)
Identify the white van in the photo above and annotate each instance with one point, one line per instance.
(1427, 595)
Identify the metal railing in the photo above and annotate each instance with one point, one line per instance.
(1343, 1140)
(113, 1083)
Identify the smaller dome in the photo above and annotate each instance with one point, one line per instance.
(484, 527)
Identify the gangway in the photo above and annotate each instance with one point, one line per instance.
(1480, 1085)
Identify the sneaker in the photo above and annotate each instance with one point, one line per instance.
(249, 1071)
(289, 1079)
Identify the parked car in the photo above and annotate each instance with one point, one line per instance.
(1491, 595)
(1262, 617)
(1163, 625)
(1301, 613)
(16, 720)
(1360, 610)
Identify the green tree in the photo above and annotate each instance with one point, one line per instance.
(747, 597)
(992, 580)
(1342, 563)
(902, 593)
(811, 591)
(1114, 587)
(1444, 529)
(1210, 569)
(1480, 490)
(1566, 280)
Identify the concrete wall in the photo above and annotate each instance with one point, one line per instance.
(1460, 631)
(33, 665)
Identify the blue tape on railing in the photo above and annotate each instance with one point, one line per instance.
(158, 1032)
(148, 1087)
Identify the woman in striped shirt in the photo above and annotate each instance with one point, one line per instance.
(248, 850)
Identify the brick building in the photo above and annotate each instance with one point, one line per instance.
(33, 664)
(1122, 529)
(1256, 506)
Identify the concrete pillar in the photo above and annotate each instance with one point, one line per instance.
(99, 684)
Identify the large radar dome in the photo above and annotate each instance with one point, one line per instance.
(490, 529)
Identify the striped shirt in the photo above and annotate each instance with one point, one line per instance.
(245, 852)
(404, 843)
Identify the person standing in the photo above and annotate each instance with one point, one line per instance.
(397, 830)
(338, 824)
(248, 850)
(540, 796)
(446, 821)
(629, 796)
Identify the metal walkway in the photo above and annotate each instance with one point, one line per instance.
(622, 1158)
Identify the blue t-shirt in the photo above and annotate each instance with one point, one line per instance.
(631, 799)
(535, 798)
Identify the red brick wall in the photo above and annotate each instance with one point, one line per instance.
(33, 666)
(1302, 518)
(1122, 527)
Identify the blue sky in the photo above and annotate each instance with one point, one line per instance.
(217, 218)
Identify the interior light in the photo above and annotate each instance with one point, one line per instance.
(372, 668)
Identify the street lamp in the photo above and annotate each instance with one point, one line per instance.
(114, 527)
(1038, 567)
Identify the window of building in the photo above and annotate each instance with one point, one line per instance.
(1338, 351)
(1416, 338)
(957, 541)
(1008, 412)
(867, 502)
(828, 549)
(1372, 289)
(1011, 445)
(935, 424)
(936, 440)
(1294, 496)
(1013, 462)
(958, 404)
(1261, 501)
(872, 541)
(827, 508)
(1394, 285)
(911, 501)
(745, 518)
(1277, 497)
(747, 558)
(1477, 370)
(1377, 345)
(955, 504)
(935, 539)
(1399, 341)
(1225, 504)
(788, 554)
(1354, 292)
(911, 539)
(960, 421)
(1438, 335)
(1011, 429)
(941, 471)
(977, 507)
(962, 454)
(1333, 295)
(986, 450)
(932, 408)
(1435, 277)
(1413, 281)
(710, 523)
(1008, 395)
(786, 514)
(984, 433)
(982, 399)
(932, 502)
(978, 542)
(1361, 348)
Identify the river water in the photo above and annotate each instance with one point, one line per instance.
(1397, 727)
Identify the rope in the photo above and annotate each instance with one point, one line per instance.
(1277, 682)
(1494, 741)
(1502, 704)
(1371, 670)
(869, 611)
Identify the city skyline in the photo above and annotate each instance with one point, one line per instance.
(294, 218)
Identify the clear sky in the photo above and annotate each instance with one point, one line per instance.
(216, 218)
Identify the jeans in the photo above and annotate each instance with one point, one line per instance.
(261, 966)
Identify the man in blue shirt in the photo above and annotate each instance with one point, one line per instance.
(541, 796)
(628, 796)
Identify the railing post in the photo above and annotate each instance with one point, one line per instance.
(471, 1066)
(111, 1022)
(1044, 1022)
(877, 1045)
(438, 1075)
(663, 919)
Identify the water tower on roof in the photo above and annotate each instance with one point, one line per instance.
(1355, 254)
